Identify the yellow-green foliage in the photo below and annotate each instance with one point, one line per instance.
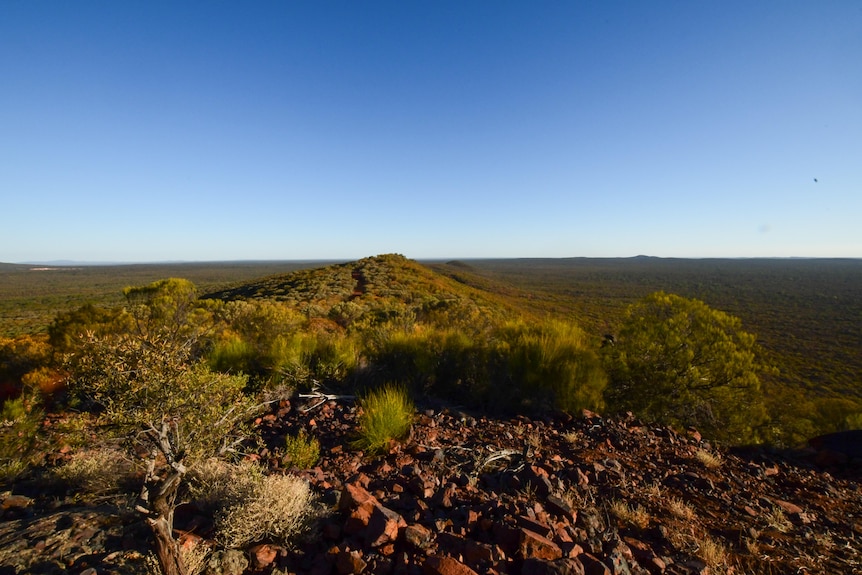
(387, 414)
(553, 358)
(302, 451)
(679, 362)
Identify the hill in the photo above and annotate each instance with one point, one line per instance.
(375, 284)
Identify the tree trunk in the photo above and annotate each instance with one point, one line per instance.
(160, 518)
(167, 548)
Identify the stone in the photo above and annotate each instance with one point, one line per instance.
(536, 546)
(593, 566)
(349, 562)
(383, 526)
(352, 496)
(557, 567)
(262, 556)
(791, 508)
(360, 518)
(445, 565)
(534, 525)
(558, 506)
(476, 553)
(418, 536)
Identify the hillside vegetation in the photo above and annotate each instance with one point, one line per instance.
(179, 384)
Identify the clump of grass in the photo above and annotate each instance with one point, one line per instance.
(387, 414)
(707, 459)
(302, 451)
(712, 552)
(777, 520)
(680, 509)
(572, 437)
(635, 516)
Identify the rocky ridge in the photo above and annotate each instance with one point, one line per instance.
(469, 494)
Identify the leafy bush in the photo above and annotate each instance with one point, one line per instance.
(679, 362)
(550, 362)
(387, 414)
(301, 450)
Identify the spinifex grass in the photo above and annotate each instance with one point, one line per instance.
(387, 414)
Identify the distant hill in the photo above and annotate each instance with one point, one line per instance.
(378, 282)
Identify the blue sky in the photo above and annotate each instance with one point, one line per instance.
(223, 130)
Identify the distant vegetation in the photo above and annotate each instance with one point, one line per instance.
(497, 335)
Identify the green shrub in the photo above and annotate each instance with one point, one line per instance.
(550, 364)
(387, 414)
(302, 451)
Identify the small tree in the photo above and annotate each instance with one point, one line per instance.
(679, 362)
(148, 387)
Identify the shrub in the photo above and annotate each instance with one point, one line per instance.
(265, 508)
(679, 362)
(387, 414)
(550, 362)
(301, 450)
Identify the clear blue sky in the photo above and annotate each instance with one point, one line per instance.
(223, 130)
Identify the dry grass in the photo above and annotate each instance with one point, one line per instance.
(707, 459)
(713, 553)
(653, 490)
(96, 472)
(572, 437)
(635, 516)
(680, 509)
(776, 519)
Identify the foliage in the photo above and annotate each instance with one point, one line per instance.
(387, 414)
(679, 362)
(302, 451)
(149, 388)
(19, 429)
(552, 359)
(69, 327)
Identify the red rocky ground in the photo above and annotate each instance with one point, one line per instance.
(567, 495)
(464, 494)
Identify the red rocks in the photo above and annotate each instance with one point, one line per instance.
(533, 545)
(443, 565)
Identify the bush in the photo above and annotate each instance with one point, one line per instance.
(272, 508)
(387, 414)
(679, 362)
(301, 450)
(551, 363)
